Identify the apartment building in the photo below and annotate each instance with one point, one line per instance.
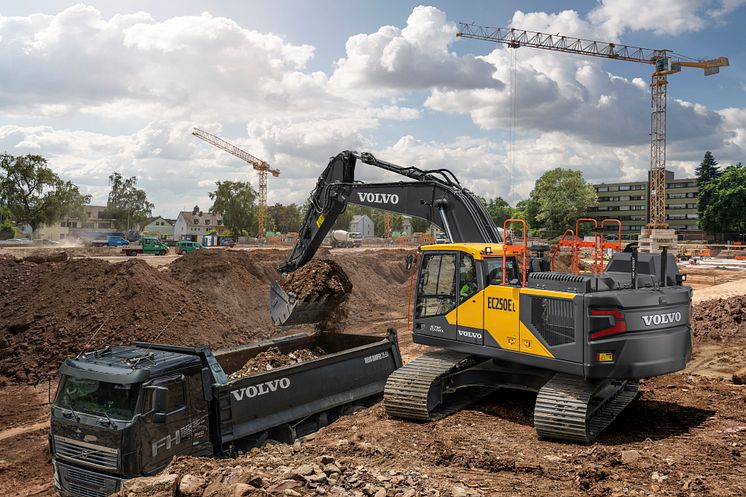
(630, 203)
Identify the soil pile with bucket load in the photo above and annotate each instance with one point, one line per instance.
(318, 278)
(272, 358)
(720, 320)
(54, 309)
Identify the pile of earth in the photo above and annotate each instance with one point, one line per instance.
(272, 358)
(265, 472)
(52, 311)
(215, 298)
(563, 263)
(236, 280)
(319, 277)
(720, 320)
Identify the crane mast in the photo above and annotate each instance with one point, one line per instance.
(259, 165)
(665, 63)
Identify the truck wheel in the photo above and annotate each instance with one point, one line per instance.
(130, 253)
(162, 252)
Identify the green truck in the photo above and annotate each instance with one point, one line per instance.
(148, 245)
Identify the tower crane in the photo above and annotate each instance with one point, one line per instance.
(664, 62)
(256, 163)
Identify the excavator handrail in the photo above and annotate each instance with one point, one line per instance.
(514, 248)
(617, 245)
(564, 243)
(579, 243)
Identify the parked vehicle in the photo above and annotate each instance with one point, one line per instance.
(125, 411)
(15, 242)
(185, 247)
(150, 245)
(111, 241)
(342, 238)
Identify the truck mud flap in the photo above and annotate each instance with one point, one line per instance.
(287, 309)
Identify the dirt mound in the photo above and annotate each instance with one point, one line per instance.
(236, 280)
(55, 310)
(272, 358)
(318, 278)
(720, 320)
(563, 263)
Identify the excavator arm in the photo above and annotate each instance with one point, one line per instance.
(433, 195)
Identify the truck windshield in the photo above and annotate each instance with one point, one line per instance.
(97, 397)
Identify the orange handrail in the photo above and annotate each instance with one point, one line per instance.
(617, 245)
(578, 244)
(564, 243)
(515, 248)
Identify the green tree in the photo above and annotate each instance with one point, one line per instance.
(559, 197)
(284, 218)
(33, 194)
(236, 202)
(498, 209)
(127, 204)
(7, 230)
(726, 207)
(707, 172)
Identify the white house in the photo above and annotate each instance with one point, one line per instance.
(159, 226)
(362, 224)
(192, 225)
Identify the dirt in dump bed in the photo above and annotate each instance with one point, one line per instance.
(720, 320)
(272, 358)
(318, 278)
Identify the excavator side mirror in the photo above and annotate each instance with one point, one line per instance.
(410, 261)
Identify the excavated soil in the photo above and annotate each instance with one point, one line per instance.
(272, 358)
(720, 320)
(54, 310)
(318, 278)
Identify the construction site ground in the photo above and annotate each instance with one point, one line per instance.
(685, 435)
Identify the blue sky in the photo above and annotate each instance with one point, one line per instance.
(103, 85)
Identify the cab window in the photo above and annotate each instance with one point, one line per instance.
(437, 292)
(495, 270)
(467, 277)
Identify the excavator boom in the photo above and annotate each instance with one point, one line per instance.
(433, 195)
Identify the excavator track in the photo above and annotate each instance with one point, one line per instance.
(569, 408)
(419, 390)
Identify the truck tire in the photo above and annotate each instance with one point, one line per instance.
(162, 252)
(131, 253)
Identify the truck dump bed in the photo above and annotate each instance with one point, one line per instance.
(292, 400)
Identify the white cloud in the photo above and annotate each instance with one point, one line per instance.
(413, 58)
(98, 94)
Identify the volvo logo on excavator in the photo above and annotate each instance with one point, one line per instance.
(378, 198)
(668, 318)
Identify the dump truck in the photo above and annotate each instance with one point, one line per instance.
(149, 245)
(500, 318)
(126, 411)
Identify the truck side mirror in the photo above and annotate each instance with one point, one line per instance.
(159, 403)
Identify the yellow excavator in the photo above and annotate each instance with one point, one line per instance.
(501, 319)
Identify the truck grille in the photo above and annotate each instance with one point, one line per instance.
(86, 453)
(79, 482)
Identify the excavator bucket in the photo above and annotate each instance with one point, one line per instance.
(287, 309)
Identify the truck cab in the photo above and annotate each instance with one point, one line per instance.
(123, 411)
